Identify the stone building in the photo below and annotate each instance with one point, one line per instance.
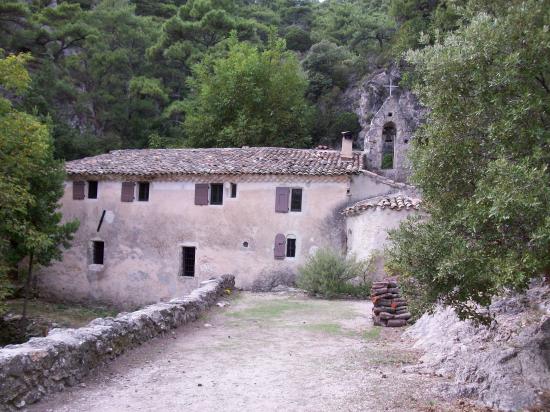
(388, 138)
(154, 223)
(368, 222)
(389, 116)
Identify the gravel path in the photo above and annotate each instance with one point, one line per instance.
(263, 352)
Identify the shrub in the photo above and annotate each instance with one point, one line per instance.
(329, 274)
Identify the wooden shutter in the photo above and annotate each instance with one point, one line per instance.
(201, 194)
(281, 199)
(78, 189)
(127, 193)
(280, 246)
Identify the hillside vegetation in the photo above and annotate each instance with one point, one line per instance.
(131, 74)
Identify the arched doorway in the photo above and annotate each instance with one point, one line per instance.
(388, 141)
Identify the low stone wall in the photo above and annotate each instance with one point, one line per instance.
(65, 356)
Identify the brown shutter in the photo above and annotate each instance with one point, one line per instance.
(280, 246)
(78, 189)
(281, 199)
(201, 194)
(127, 193)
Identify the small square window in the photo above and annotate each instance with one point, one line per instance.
(296, 200)
(98, 251)
(143, 191)
(216, 193)
(233, 190)
(290, 247)
(92, 189)
(188, 261)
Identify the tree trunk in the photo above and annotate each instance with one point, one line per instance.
(28, 286)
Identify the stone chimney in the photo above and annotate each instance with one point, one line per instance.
(347, 144)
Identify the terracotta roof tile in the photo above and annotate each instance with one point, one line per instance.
(252, 160)
(395, 201)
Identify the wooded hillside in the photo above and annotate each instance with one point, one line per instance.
(129, 74)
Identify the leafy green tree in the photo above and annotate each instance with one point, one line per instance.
(31, 183)
(297, 39)
(482, 159)
(363, 26)
(249, 97)
(328, 65)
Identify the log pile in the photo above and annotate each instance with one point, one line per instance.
(390, 309)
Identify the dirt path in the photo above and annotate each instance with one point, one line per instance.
(263, 352)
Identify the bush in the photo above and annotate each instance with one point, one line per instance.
(329, 274)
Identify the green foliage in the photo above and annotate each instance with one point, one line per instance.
(328, 274)
(111, 74)
(248, 97)
(387, 161)
(482, 159)
(31, 182)
(297, 39)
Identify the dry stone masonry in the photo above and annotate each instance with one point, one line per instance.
(390, 309)
(63, 358)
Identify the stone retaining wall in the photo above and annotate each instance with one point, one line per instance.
(65, 356)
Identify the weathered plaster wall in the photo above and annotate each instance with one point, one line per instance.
(367, 234)
(143, 240)
(64, 357)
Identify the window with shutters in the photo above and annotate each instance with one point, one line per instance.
(92, 189)
(296, 200)
(290, 246)
(98, 251)
(188, 261)
(287, 198)
(216, 193)
(127, 191)
(143, 191)
(78, 190)
(233, 190)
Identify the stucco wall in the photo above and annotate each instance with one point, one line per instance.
(143, 240)
(368, 232)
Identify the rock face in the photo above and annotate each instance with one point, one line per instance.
(506, 366)
(378, 113)
(65, 356)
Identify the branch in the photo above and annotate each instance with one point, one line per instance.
(542, 81)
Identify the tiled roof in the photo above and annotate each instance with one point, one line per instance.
(395, 201)
(252, 160)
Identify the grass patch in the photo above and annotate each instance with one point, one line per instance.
(372, 333)
(329, 328)
(271, 309)
(392, 358)
(67, 315)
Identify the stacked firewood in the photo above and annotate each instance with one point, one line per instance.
(390, 309)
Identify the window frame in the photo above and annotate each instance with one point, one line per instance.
(138, 189)
(88, 189)
(290, 240)
(291, 198)
(185, 271)
(95, 252)
(219, 188)
(233, 190)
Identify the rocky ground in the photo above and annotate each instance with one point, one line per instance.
(506, 365)
(272, 351)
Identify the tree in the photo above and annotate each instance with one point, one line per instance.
(31, 183)
(481, 160)
(248, 97)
